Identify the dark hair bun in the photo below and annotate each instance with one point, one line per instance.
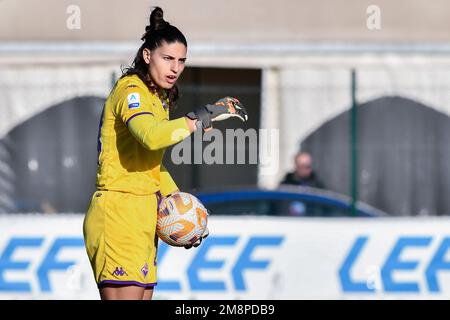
(157, 21)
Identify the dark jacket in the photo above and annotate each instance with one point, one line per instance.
(311, 181)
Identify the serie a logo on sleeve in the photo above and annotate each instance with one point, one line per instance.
(134, 100)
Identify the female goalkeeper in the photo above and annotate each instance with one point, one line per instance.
(119, 227)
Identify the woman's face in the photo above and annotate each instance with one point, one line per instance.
(166, 63)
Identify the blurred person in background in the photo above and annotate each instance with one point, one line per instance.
(304, 175)
(120, 226)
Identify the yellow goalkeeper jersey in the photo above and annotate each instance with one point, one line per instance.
(126, 164)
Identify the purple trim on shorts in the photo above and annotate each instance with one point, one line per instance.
(144, 285)
(137, 114)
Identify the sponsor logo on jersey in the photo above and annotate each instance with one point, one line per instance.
(119, 272)
(134, 100)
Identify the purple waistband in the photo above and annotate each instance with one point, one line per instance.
(127, 283)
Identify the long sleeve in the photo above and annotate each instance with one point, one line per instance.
(155, 135)
(138, 111)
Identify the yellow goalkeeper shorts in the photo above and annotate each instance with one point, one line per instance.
(120, 237)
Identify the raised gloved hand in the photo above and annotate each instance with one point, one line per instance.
(221, 110)
(199, 241)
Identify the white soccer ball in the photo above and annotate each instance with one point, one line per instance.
(182, 219)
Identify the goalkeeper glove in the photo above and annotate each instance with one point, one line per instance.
(221, 110)
(197, 243)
